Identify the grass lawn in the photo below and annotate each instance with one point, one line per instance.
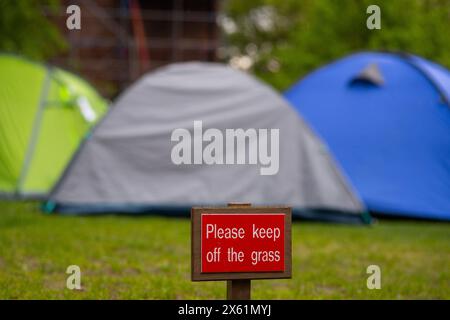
(149, 258)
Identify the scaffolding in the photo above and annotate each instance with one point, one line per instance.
(120, 40)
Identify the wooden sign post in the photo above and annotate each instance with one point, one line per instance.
(239, 243)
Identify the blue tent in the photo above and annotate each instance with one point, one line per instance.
(386, 119)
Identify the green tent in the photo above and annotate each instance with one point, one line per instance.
(45, 112)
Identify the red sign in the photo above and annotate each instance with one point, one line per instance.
(242, 242)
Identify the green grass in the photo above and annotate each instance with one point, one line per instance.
(149, 258)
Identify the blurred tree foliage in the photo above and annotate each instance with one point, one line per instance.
(286, 39)
(25, 30)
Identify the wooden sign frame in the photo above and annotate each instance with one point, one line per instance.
(197, 275)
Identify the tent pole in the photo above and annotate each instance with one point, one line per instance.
(34, 132)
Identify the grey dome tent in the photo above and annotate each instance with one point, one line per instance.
(127, 164)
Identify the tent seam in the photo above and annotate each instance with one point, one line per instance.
(407, 58)
(34, 132)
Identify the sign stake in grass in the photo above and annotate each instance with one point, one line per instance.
(239, 243)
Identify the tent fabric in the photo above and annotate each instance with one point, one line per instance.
(125, 166)
(41, 124)
(391, 140)
(435, 73)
